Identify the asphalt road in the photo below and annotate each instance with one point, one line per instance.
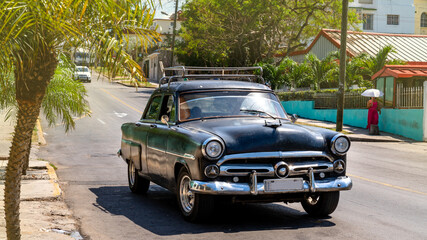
(388, 199)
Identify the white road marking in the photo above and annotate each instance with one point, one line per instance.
(120, 115)
(101, 121)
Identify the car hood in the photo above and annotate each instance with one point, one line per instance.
(253, 135)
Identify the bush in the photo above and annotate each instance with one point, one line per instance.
(309, 95)
(296, 96)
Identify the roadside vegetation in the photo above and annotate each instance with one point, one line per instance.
(317, 74)
(247, 32)
(34, 35)
(256, 32)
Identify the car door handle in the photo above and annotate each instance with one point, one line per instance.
(153, 126)
(138, 124)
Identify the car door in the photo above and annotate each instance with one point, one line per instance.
(157, 138)
(140, 133)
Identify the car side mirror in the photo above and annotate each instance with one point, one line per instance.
(294, 118)
(165, 119)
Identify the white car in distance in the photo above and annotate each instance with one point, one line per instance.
(82, 73)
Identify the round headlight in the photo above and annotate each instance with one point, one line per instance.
(213, 149)
(340, 144)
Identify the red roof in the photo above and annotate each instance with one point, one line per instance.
(402, 71)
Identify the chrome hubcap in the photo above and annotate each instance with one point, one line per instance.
(132, 173)
(186, 195)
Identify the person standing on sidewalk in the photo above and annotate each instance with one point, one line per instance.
(373, 116)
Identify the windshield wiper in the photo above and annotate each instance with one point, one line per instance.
(257, 111)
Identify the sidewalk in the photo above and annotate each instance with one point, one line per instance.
(43, 213)
(354, 133)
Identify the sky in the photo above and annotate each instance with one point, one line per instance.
(168, 6)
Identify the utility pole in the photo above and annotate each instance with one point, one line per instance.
(174, 31)
(343, 55)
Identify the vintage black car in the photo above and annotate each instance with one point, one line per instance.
(220, 135)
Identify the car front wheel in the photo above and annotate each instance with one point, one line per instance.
(321, 204)
(194, 207)
(137, 184)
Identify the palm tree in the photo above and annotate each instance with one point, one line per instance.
(32, 35)
(357, 72)
(294, 73)
(319, 71)
(273, 74)
(361, 67)
(377, 62)
(64, 99)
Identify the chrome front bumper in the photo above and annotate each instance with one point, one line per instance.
(255, 188)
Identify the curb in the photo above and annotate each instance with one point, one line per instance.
(53, 178)
(362, 139)
(40, 137)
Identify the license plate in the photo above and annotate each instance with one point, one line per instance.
(279, 185)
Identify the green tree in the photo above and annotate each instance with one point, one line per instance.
(33, 34)
(377, 62)
(246, 32)
(361, 67)
(294, 74)
(319, 71)
(273, 75)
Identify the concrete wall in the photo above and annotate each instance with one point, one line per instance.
(425, 110)
(404, 122)
(381, 8)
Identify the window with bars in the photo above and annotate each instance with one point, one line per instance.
(424, 19)
(368, 21)
(392, 19)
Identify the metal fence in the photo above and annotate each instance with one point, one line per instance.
(352, 100)
(409, 97)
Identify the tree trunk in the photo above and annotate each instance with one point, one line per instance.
(32, 75)
(27, 160)
(26, 119)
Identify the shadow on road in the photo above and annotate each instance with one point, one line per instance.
(158, 213)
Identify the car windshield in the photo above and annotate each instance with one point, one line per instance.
(82, 69)
(229, 104)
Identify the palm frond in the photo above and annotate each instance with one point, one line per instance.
(65, 99)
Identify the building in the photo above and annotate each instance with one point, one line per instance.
(410, 48)
(165, 28)
(405, 94)
(420, 17)
(386, 16)
(160, 55)
(401, 85)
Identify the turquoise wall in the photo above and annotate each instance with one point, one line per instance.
(404, 122)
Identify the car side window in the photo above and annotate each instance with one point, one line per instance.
(154, 109)
(169, 107)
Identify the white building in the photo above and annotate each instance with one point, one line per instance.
(386, 16)
(165, 28)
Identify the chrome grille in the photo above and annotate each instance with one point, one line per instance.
(267, 170)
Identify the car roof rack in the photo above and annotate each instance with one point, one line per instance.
(186, 73)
